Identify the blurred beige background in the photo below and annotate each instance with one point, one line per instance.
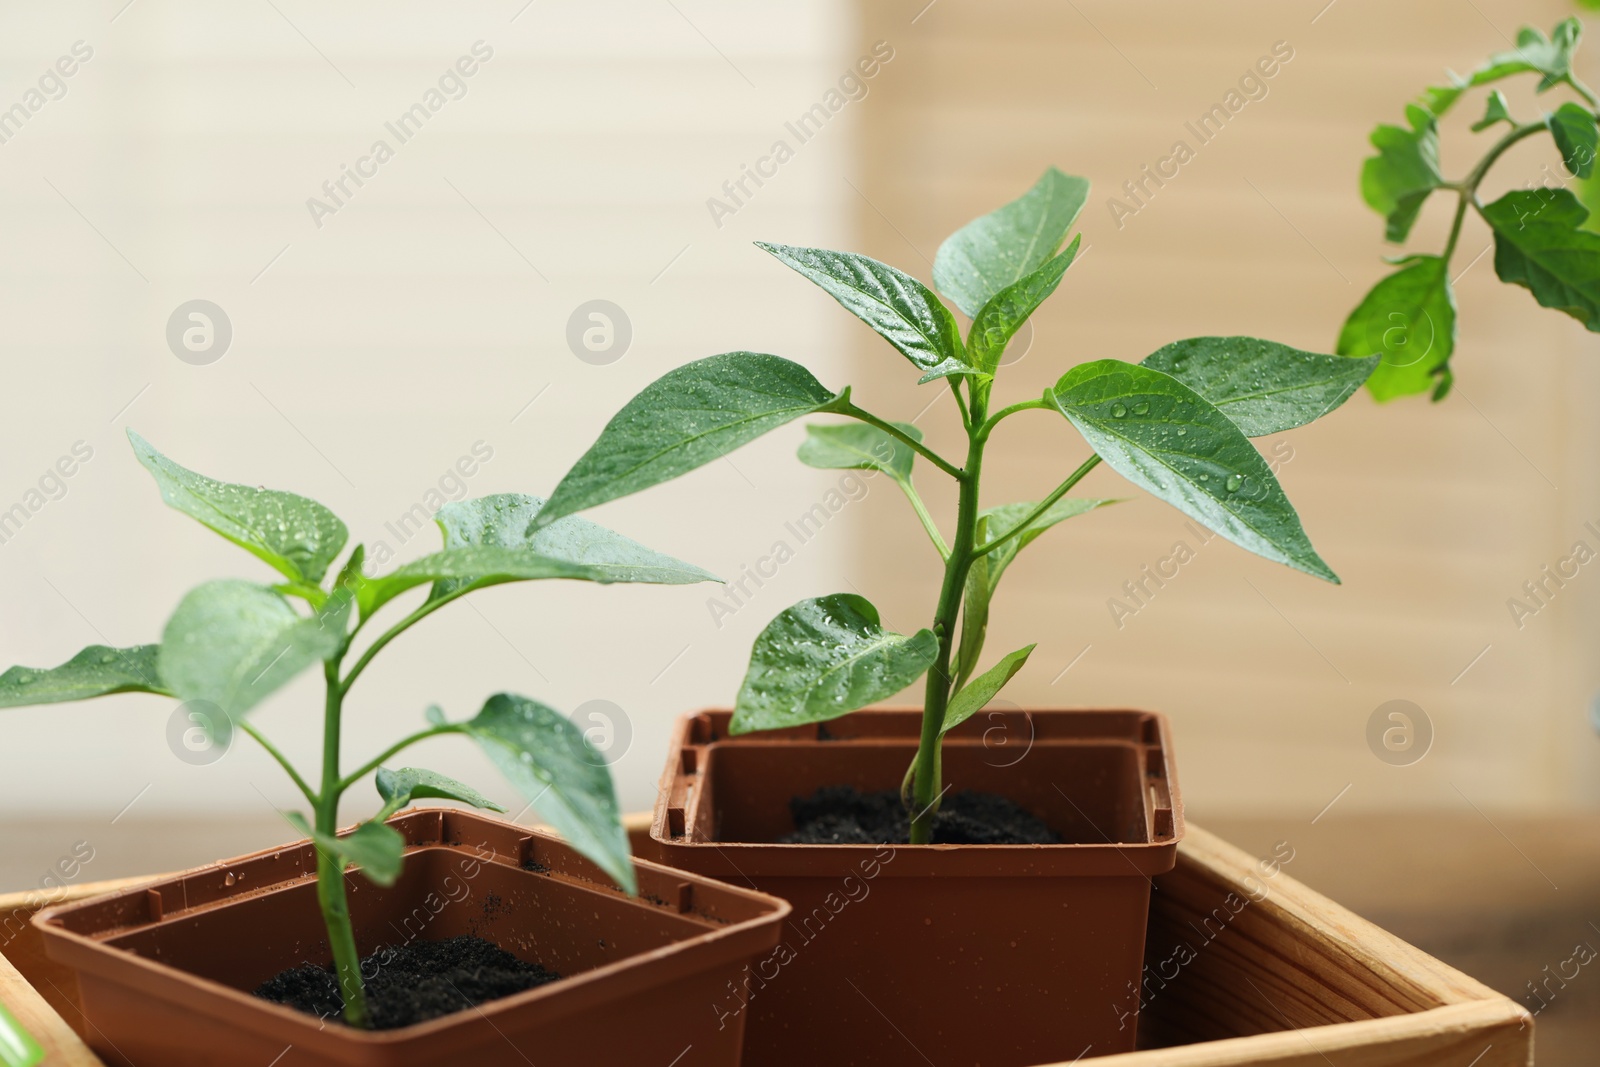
(376, 343)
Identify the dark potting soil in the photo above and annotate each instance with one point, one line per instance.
(843, 815)
(412, 983)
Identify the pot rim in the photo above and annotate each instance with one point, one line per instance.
(82, 951)
(698, 737)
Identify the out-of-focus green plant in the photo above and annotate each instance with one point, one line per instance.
(1542, 236)
(231, 643)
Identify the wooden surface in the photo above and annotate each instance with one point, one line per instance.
(1354, 995)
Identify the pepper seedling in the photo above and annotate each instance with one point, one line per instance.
(1543, 239)
(1177, 424)
(230, 643)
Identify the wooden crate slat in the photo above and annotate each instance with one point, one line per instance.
(1362, 997)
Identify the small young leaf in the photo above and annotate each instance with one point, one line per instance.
(983, 689)
(1539, 244)
(543, 754)
(399, 788)
(505, 520)
(296, 536)
(1007, 310)
(1003, 519)
(859, 446)
(1535, 53)
(1263, 387)
(984, 576)
(684, 420)
(377, 849)
(97, 671)
(1575, 133)
(1409, 321)
(1397, 180)
(1001, 248)
(232, 643)
(1169, 440)
(1496, 110)
(901, 309)
(824, 658)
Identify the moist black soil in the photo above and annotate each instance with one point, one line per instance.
(843, 815)
(412, 983)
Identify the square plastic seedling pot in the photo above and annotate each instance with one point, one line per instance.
(165, 969)
(1000, 955)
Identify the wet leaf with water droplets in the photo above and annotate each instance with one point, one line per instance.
(824, 658)
(1190, 473)
(297, 536)
(899, 308)
(546, 756)
(684, 420)
(98, 670)
(505, 520)
(1262, 386)
(399, 788)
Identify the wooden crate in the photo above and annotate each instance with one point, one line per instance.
(1243, 967)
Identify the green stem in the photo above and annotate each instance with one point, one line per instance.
(379, 760)
(428, 607)
(1004, 413)
(1467, 188)
(922, 514)
(925, 785)
(330, 869)
(1584, 91)
(1044, 505)
(283, 761)
(961, 401)
(847, 408)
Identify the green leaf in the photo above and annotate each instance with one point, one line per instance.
(1495, 110)
(860, 446)
(1001, 248)
(232, 643)
(399, 788)
(296, 536)
(1534, 53)
(1576, 135)
(1397, 180)
(543, 754)
(982, 689)
(97, 671)
(824, 658)
(984, 576)
(1005, 517)
(1409, 320)
(1262, 386)
(1169, 440)
(480, 565)
(901, 309)
(506, 520)
(1540, 245)
(376, 848)
(684, 420)
(1007, 310)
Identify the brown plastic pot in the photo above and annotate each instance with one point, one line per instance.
(998, 955)
(165, 969)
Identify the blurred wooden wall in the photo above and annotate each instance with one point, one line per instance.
(1434, 515)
